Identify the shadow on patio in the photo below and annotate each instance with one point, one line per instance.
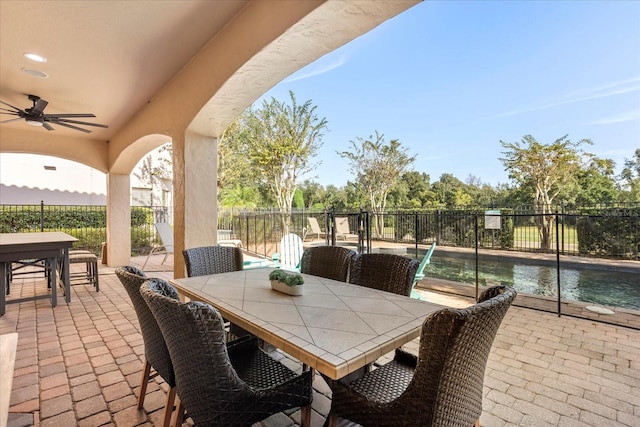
(80, 364)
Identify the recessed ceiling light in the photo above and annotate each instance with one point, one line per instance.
(35, 57)
(36, 73)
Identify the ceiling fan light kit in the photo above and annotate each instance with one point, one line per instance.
(35, 116)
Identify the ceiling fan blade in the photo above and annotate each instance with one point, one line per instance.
(15, 108)
(5, 111)
(70, 115)
(39, 106)
(47, 126)
(73, 127)
(11, 120)
(79, 123)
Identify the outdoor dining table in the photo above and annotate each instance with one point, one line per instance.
(39, 245)
(334, 327)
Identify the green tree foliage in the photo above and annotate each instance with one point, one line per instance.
(630, 178)
(418, 191)
(546, 169)
(298, 199)
(595, 184)
(278, 141)
(313, 194)
(377, 167)
(451, 192)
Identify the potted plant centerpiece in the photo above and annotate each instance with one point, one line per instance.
(286, 282)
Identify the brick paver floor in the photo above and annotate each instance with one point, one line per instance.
(79, 364)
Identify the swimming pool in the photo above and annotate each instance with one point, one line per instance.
(606, 287)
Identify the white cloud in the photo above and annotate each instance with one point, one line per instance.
(586, 94)
(317, 68)
(628, 116)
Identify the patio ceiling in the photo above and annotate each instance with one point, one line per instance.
(115, 58)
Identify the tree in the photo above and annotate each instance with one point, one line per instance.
(450, 191)
(546, 170)
(278, 141)
(630, 177)
(595, 184)
(377, 167)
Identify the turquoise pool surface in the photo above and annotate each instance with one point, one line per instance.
(597, 286)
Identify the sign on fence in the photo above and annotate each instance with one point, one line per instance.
(492, 220)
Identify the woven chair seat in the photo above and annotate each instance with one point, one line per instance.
(79, 257)
(254, 366)
(389, 381)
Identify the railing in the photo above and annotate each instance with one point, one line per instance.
(86, 223)
(603, 233)
(600, 231)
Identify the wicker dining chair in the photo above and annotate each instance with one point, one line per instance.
(386, 272)
(331, 262)
(215, 260)
(442, 386)
(155, 349)
(212, 260)
(222, 384)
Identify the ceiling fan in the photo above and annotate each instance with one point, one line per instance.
(36, 116)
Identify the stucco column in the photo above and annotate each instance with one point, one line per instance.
(118, 220)
(195, 205)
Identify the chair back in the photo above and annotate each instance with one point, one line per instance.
(166, 235)
(194, 331)
(315, 227)
(331, 262)
(386, 272)
(454, 348)
(425, 261)
(290, 251)
(420, 273)
(212, 260)
(155, 348)
(342, 225)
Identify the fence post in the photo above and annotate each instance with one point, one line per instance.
(563, 217)
(477, 267)
(416, 233)
(558, 260)
(41, 215)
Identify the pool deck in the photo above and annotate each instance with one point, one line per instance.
(80, 364)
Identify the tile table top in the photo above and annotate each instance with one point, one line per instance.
(334, 327)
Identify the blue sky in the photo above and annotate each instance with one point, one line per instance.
(451, 79)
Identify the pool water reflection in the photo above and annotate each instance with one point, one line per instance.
(606, 287)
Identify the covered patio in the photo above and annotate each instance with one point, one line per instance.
(80, 364)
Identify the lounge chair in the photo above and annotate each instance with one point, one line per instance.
(165, 232)
(342, 228)
(420, 273)
(290, 252)
(313, 230)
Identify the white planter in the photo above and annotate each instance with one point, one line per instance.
(286, 289)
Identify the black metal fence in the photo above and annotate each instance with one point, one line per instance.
(600, 231)
(604, 232)
(87, 223)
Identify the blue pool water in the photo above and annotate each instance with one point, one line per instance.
(606, 287)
